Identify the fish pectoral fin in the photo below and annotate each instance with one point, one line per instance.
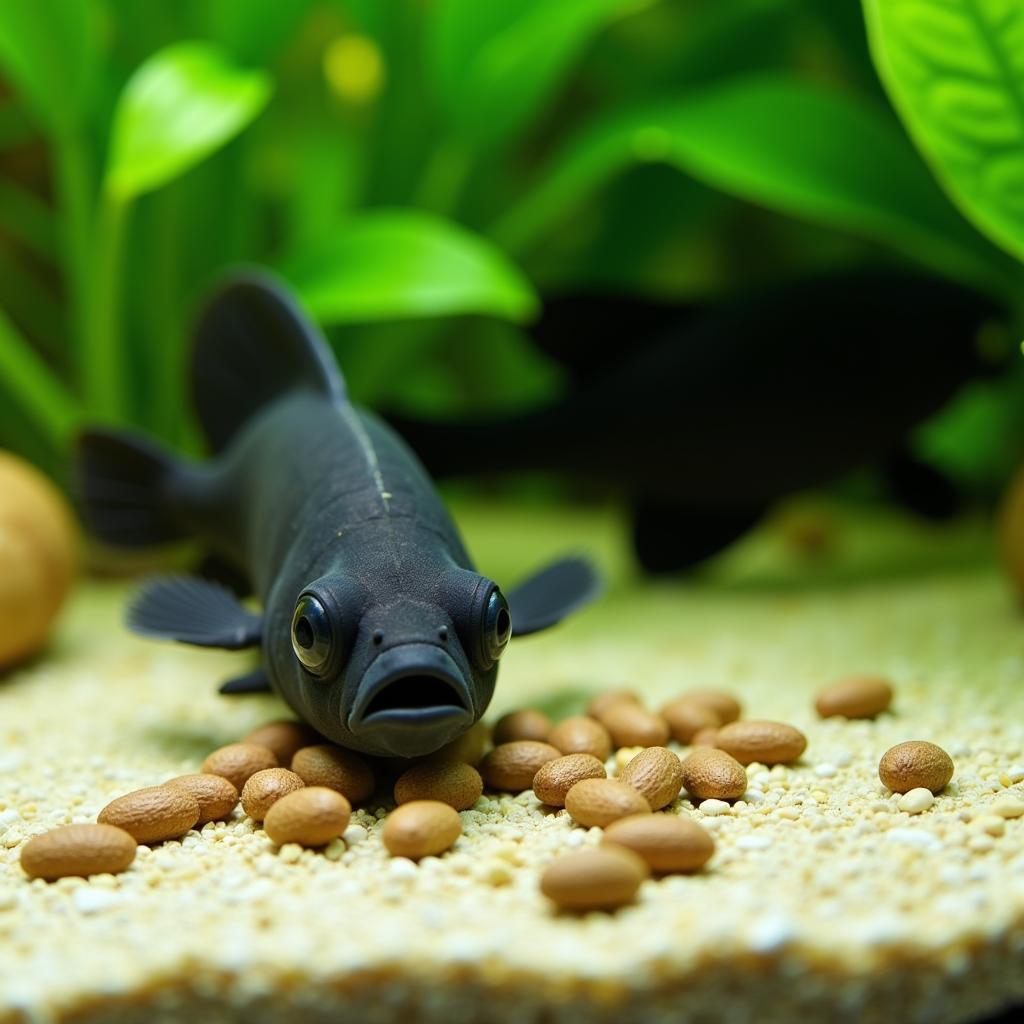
(256, 681)
(550, 595)
(193, 611)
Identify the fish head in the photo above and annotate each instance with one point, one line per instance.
(398, 670)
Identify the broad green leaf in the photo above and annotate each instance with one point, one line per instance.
(253, 31)
(955, 72)
(782, 143)
(391, 264)
(180, 105)
(495, 63)
(49, 51)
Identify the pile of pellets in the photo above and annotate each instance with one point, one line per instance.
(609, 769)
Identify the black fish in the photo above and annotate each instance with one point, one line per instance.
(376, 629)
(703, 417)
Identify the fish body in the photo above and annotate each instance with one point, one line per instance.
(704, 417)
(376, 627)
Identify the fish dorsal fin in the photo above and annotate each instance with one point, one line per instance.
(252, 344)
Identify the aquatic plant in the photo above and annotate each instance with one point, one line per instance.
(427, 172)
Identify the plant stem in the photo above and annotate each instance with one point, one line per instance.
(30, 382)
(74, 189)
(104, 366)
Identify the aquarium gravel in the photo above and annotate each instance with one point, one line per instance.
(826, 896)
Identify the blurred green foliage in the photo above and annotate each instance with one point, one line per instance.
(424, 172)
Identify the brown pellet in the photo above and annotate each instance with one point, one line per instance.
(311, 816)
(469, 748)
(78, 850)
(336, 768)
(709, 773)
(600, 879)
(916, 764)
(265, 788)
(421, 828)
(556, 778)
(582, 734)
(705, 738)
(526, 724)
(633, 726)
(512, 766)
(153, 814)
(656, 774)
(600, 703)
(455, 784)
(237, 761)
(666, 842)
(856, 697)
(766, 742)
(686, 718)
(284, 737)
(725, 705)
(602, 801)
(216, 796)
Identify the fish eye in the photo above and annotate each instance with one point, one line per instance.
(497, 625)
(312, 635)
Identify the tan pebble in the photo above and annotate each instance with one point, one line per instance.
(512, 766)
(770, 743)
(581, 734)
(311, 816)
(861, 696)
(603, 701)
(78, 850)
(624, 755)
(914, 764)
(458, 785)
(265, 788)
(556, 778)
(237, 761)
(1008, 807)
(725, 705)
(686, 718)
(656, 774)
(991, 824)
(336, 768)
(705, 738)
(915, 801)
(600, 879)
(153, 814)
(630, 725)
(709, 773)
(421, 828)
(602, 801)
(665, 841)
(216, 796)
(284, 737)
(526, 724)
(469, 748)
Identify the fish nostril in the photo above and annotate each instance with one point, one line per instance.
(415, 692)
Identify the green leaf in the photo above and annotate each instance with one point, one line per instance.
(391, 264)
(49, 51)
(780, 142)
(180, 105)
(495, 63)
(32, 385)
(955, 72)
(253, 31)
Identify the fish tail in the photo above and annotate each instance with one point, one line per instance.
(124, 487)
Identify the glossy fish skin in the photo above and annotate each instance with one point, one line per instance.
(704, 417)
(376, 628)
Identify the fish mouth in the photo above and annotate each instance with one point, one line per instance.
(411, 700)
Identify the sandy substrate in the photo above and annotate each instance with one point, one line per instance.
(823, 900)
